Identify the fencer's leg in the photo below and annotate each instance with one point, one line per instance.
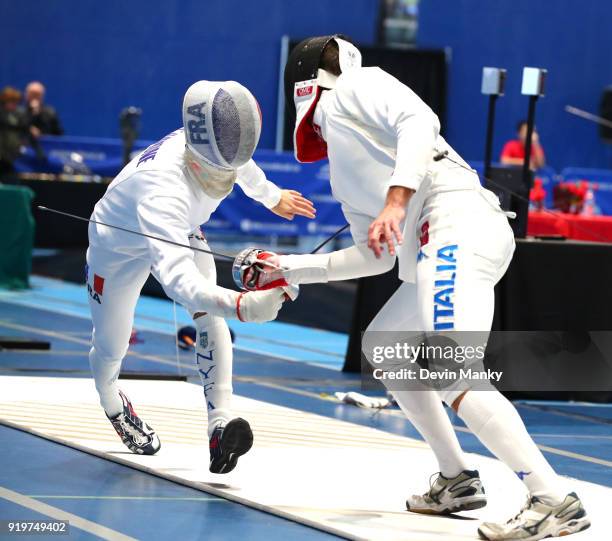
(229, 437)
(424, 408)
(113, 285)
(487, 413)
(214, 364)
(493, 419)
(214, 353)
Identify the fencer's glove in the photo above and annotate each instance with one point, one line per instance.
(258, 270)
(259, 306)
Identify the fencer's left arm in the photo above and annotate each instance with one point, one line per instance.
(387, 104)
(284, 203)
(255, 185)
(387, 226)
(377, 99)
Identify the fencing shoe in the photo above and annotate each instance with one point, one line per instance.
(137, 435)
(461, 493)
(538, 520)
(227, 443)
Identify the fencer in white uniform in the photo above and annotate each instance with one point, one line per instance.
(168, 191)
(387, 157)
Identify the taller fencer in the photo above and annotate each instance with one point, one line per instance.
(381, 140)
(169, 190)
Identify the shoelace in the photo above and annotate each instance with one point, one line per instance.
(436, 475)
(525, 507)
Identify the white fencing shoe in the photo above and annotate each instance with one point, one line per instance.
(461, 493)
(538, 520)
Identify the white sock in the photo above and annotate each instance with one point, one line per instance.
(214, 363)
(425, 411)
(497, 424)
(105, 371)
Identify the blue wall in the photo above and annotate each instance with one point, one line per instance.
(97, 57)
(571, 38)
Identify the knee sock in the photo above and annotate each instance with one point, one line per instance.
(214, 363)
(497, 424)
(425, 411)
(105, 371)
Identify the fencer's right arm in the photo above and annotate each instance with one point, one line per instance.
(175, 268)
(357, 261)
(260, 270)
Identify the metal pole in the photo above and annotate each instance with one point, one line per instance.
(280, 107)
(530, 126)
(489, 141)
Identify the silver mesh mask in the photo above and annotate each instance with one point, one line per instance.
(222, 123)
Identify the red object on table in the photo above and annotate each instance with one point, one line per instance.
(570, 226)
(537, 194)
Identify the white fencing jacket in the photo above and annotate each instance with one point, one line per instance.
(155, 194)
(379, 134)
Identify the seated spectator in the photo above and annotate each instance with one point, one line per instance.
(13, 129)
(513, 152)
(42, 118)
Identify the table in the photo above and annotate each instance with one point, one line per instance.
(17, 226)
(551, 285)
(570, 226)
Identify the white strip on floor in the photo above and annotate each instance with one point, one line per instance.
(336, 476)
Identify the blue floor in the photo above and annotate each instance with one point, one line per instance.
(126, 500)
(579, 435)
(281, 340)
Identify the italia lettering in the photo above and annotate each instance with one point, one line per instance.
(447, 253)
(444, 297)
(444, 288)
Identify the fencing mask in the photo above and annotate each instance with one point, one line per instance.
(222, 123)
(304, 82)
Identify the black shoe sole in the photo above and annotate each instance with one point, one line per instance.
(237, 440)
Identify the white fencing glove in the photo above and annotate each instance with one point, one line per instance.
(259, 306)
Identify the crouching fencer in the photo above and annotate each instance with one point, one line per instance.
(168, 191)
(398, 180)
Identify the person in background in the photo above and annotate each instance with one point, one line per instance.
(43, 119)
(513, 152)
(13, 129)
